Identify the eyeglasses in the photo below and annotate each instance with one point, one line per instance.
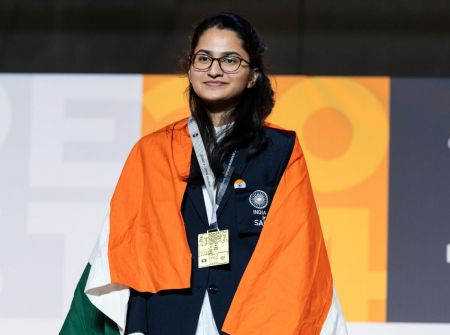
(228, 64)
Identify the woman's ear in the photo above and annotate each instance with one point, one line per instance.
(253, 78)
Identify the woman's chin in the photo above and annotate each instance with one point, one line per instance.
(219, 101)
(212, 96)
(214, 101)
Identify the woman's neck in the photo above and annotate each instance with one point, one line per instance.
(220, 116)
(218, 119)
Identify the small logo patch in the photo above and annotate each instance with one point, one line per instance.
(259, 199)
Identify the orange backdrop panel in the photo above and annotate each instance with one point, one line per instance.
(164, 101)
(343, 125)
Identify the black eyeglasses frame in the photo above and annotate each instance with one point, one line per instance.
(218, 61)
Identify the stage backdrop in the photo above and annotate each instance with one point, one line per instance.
(377, 149)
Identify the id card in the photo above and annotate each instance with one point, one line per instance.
(213, 249)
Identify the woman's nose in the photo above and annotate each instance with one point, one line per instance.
(215, 69)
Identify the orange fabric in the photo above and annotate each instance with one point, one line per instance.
(289, 268)
(148, 248)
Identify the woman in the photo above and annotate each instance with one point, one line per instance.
(225, 264)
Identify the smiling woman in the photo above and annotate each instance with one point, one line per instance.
(220, 84)
(213, 226)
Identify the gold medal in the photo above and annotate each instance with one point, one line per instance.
(213, 248)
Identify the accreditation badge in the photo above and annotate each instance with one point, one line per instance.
(213, 248)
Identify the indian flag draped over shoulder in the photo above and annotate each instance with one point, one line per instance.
(98, 306)
(144, 247)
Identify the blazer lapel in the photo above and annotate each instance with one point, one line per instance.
(239, 168)
(195, 195)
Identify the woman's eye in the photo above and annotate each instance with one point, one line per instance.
(230, 60)
(202, 58)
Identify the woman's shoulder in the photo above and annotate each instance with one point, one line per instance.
(278, 132)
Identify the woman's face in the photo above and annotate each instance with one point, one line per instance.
(214, 86)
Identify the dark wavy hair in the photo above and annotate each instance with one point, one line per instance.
(255, 105)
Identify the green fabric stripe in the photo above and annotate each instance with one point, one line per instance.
(84, 317)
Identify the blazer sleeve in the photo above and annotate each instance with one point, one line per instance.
(137, 313)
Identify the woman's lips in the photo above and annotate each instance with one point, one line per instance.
(214, 83)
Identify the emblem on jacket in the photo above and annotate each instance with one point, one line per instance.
(259, 199)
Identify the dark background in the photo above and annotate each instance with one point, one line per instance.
(317, 37)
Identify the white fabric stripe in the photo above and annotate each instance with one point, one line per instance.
(111, 299)
(334, 323)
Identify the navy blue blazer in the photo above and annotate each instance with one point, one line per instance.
(177, 311)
